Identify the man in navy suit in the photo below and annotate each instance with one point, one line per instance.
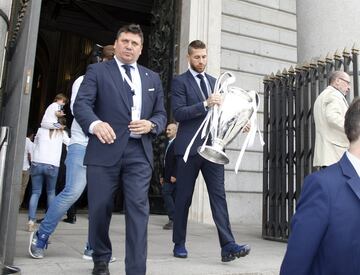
(168, 179)
(191, 99)
(325, 228)
(120, 106)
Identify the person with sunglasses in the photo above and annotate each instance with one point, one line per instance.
(329, 114)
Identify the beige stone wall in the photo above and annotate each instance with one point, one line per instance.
(257, 37)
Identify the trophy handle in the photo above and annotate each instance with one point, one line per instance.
(223, 81)
(221, 85)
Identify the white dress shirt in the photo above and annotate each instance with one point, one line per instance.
(194, 73)
(137, 97)
(355, 161)
(136, 81)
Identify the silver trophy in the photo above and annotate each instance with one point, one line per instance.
(226, 121)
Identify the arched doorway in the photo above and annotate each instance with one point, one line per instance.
(68, 32)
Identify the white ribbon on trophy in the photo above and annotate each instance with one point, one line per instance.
(223, 123)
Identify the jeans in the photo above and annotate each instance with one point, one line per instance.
(74, 186)
(41, 173)
(168, 192)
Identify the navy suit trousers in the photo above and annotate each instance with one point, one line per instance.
(132, 174)
(185, 181)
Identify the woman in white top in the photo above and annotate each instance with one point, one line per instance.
(45, 167)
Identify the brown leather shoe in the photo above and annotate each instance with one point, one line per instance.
(100, 268)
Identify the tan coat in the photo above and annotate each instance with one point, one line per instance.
(329, 115)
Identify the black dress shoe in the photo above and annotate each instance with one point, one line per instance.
(71, 220)
(100, 268)
(168, 226)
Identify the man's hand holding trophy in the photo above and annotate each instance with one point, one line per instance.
(232, 111)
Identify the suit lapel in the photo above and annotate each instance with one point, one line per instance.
(355, 186)
(349, 171)
(195, 86)
(119, 83)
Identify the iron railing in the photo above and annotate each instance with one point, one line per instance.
(289, 134)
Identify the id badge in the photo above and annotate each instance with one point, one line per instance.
(135, 113)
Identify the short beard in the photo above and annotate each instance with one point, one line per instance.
(195, 69)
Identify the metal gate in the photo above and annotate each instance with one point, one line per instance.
(289, 134)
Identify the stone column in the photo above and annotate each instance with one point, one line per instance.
(201, 19)
(325, 26)
(5, 7)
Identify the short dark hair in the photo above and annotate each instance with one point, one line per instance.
(133, 28)
(108, 52)
(61, 96)
(352, 121)
(196, 44)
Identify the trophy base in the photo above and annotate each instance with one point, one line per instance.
(213, 155)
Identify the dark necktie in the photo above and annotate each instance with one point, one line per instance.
(130, 92)
(203, 85)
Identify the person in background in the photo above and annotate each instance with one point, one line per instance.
(75, 180)
(329, 114)
(29, 147)
(53, 112)
(324, 235)
(191, 99)
(44, 167)
(169, 175)
(106, 53)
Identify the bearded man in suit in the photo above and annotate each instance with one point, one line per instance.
(120, 106)
(191, 99)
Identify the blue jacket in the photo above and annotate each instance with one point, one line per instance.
(325, 236)
(188, 109)
(102, 97)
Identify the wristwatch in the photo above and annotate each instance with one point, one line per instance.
(153, 126)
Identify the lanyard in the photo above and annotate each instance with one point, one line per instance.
(130, 83)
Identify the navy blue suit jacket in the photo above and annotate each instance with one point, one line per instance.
(170, 163)
(325, 235)
(188, 110)
(102, 97)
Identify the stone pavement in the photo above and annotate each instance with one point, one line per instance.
(64, 254)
